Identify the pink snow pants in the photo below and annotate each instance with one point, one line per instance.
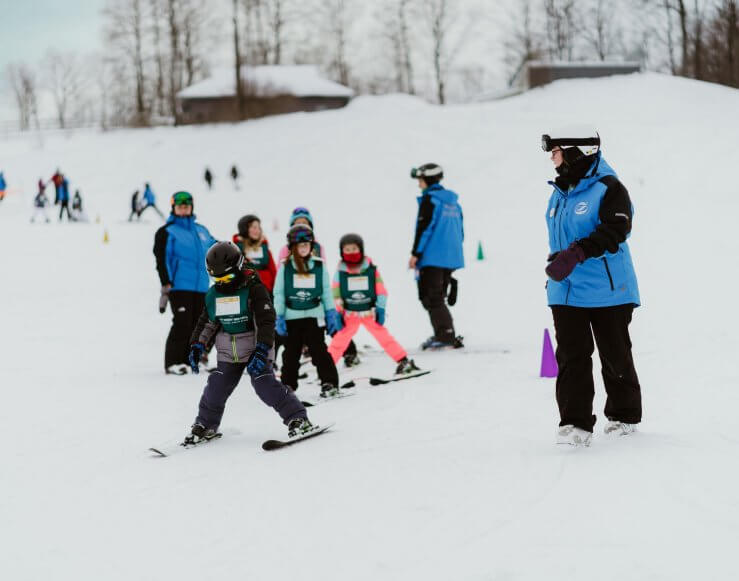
(351, 325)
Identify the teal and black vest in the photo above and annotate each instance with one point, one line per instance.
(303, 291)
(358, 290)
(231, 310)
(258, 258)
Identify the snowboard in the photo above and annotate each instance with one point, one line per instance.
(270, 445)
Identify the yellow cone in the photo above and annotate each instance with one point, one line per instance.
(106, 238)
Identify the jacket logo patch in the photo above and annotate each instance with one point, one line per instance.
(551, 213)
(303, 295)
(581, 208)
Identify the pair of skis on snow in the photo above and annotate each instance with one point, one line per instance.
(268, 445)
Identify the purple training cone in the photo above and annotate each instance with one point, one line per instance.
(548, 361)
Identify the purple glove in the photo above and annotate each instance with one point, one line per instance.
(565, 261)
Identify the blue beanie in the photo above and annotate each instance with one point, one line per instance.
(301, 212)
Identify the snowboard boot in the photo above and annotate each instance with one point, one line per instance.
(573, 436)
(351, 360)
(406, 366)
(299, 427)
(198, 433)
(177, 369)
(329, 390)
(617, 428)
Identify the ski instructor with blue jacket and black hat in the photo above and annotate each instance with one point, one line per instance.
(180, 247)
(437, 253)
(592, 288)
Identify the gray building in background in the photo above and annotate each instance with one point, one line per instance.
(268, 90)
(538, 73)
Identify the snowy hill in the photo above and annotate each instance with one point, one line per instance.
(450, 476)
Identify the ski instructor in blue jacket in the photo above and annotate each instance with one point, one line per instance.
(592, 288)
(437, 253)
(180, 247)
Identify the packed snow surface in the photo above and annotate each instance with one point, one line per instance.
(454, 475)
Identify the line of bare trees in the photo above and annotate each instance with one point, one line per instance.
(155, 48)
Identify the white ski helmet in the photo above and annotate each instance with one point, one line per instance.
(585, 139)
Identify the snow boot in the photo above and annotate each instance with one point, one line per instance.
(199, 432)
(434, 344)
(573, 436)
(177, 369)
(299, 427)
(329, 390)
(351, 360)
(617, 428)
(406, 366)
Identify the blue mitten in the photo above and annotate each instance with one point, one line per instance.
(196, 352)
(333, 322)
(281, 326)
(258, 361)
(380, 315)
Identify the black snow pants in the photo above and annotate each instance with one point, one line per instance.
(64, 207)
(306, 332)
(186, 308)
(433, 283)
(224, 380)
(575, 328)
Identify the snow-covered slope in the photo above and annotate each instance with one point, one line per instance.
(450, 476)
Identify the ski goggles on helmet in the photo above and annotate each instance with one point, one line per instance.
(548, 143)
(425, 171)
(225, 279)
(301, 236)
(182, 199)
(301, 210)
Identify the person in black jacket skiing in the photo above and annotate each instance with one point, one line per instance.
(240, 318)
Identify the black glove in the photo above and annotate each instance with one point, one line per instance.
(258, 361)
(164, 297)
(196, 352)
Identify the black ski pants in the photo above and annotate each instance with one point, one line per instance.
(224, 380)
(306, 332)
(575, 328)
(64, 207)
(433, 283)
(186, 308)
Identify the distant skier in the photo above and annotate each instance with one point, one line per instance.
(302, 301)
(40, 202)
(150, 201)
(180, 247)
(592, 287)
(208, 178)
(3, 185)
(361, 298)
(78, 214)
(57, 180)
(235, 176)
(251, 241)
(135, 208)
(63, 197)
(437, 252)
(240, 318)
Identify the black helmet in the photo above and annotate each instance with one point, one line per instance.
(244, 224)
(431, 173)
(224, 259)
(300, 233)
(351, 239)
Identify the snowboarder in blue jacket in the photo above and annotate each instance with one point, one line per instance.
(437, 253)
(592, 288)
(149, 201)
(180, 247)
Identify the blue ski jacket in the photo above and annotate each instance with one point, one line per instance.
(3, 185)
(440, 243)
(64, 191)
(149, 196)
(180, 247)
(605, 278)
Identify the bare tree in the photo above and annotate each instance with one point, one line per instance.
(599, 28)
(237, 60)
(336, 17)
(561, 28)
(23, 81)
(276, 18)
(523, 43)
(156, 28)
(63, 78)
(125, 33)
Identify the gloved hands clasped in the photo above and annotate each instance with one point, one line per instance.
(258, 361)
(564, 262)
(196, 353)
